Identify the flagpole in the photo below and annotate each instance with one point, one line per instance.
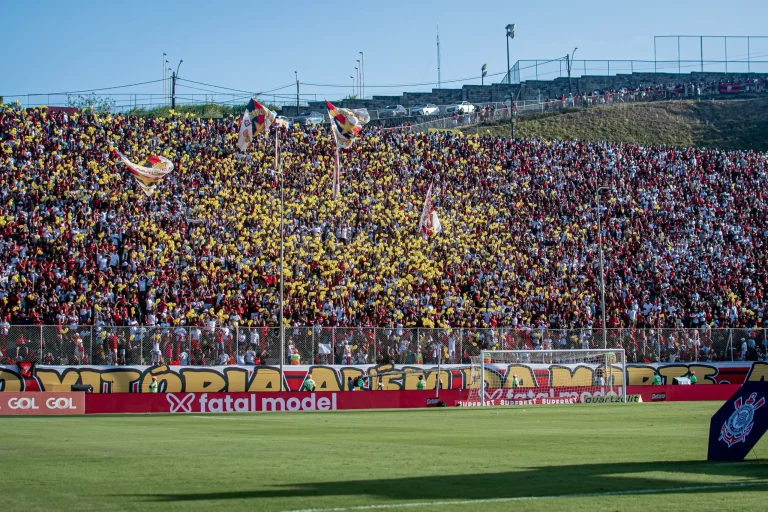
(336, 175)
(279, 169)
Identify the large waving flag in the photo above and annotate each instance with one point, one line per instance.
(346, 124)
(261, 117)
(256, 119)
(149, 172)
(246, 132)
(429, 223)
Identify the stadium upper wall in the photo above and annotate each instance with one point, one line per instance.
(533, 89)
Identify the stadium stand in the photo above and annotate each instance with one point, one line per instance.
(684, 231)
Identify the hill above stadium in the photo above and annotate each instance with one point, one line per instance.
(731, 124)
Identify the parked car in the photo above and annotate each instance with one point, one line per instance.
(284, 119)
(393, 111)
(425, 110)
(308, 118)
(463, 107)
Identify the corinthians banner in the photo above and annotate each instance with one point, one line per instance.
(740, 423)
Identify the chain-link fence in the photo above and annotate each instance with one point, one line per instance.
(205, 346)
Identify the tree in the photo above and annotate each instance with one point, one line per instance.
(101, 104)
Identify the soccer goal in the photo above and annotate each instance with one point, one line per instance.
(524, 377)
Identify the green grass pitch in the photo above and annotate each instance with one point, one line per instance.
(642, 457)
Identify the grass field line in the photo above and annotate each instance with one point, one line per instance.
(531, 498)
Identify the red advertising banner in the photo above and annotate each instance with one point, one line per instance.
(142, 403)
(109, 403)
(41, 404)
(691, 393)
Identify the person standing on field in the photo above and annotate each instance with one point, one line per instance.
(153, 385)
(421, 384)
(693, 378)
(515, 382)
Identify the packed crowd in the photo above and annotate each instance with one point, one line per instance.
(683, 90)
(684, 230)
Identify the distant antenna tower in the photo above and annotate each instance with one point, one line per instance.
(438, 58)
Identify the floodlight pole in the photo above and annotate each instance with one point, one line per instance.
(602, 276)
(362, 75)
(359, 69)
(569, 63)
(165, 81)
(296, 73)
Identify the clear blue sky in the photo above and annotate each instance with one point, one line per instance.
(51, 46)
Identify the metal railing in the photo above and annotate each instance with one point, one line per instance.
(550, 69)
(203, 346)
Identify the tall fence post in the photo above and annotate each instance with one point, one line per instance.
(41, 344)
(730, 342)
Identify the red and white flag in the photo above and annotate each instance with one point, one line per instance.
(149, 172)
(429, 223)
(246, 131)
(256, 119)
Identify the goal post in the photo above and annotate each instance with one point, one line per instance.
(523, 377)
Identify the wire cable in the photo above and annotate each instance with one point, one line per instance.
(88, 90)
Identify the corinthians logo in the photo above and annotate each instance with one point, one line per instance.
(739, 425)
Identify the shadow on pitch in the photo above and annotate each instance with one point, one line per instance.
(545, 481)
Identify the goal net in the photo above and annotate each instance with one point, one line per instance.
(526, 377)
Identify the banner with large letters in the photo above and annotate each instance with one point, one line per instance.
(180, 379)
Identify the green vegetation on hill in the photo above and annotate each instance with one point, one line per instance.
(204, 110)
(732, 124)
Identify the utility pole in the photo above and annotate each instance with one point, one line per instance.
(174, 76)
(362, 76)
(439, 83)
(296, 73)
